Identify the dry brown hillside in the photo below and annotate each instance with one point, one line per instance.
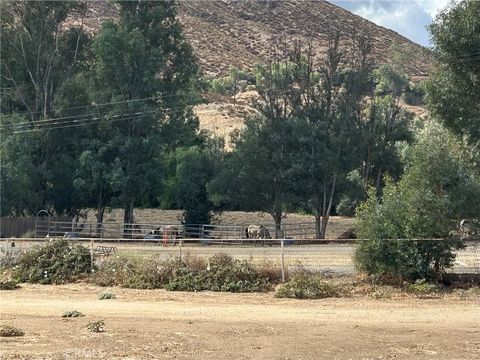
(242, 33)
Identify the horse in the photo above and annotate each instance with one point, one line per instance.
(167, 233)
(257, 232)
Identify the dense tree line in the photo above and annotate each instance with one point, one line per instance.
(107, 121)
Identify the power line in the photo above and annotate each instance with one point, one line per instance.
(125, 117)
(92, 121)
(98, 105)
(65, 120)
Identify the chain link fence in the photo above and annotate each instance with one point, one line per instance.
(331, 256)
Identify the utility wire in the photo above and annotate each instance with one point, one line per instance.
(98, 105)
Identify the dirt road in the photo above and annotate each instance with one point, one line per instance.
(142, 324)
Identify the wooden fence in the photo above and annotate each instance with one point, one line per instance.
(20, 226)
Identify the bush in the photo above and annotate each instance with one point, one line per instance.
(72, 313)
(222, 273)
(115, 272)
(420, 287)
(96, 326)
(58, 262)
(219, 273)
(8, 285)
(306, 286)
(150, 273)
(7, 330)
(106, 296)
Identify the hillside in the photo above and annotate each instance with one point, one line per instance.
(227, 33)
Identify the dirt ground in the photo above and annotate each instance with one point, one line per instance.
(156, 324)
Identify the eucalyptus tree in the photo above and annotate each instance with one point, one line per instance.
(144, 63)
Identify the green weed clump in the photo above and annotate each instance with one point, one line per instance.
(72, 313)
(7, 330)
(96, 326)
(9, 285)
(420, 287)
(306, 286)
(57, 262)
(106, 296)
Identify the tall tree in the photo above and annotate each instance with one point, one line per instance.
(39, 59)
(330, 97)
(454, 88)
(145, 62)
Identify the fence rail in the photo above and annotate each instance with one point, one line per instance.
(117, 230)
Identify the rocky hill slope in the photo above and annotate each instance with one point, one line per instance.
(242, 33)
(225, 33)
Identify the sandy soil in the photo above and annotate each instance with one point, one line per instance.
(164, 325)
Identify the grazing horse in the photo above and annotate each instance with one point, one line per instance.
(167, 233)
(257, 232)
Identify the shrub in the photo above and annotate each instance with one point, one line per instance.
(306, 286)
(106, 296)
(59, 261)
(8, 285)
(115, 272)
(219, 273)
(7, 330)
(96, 326)
(222, 273)
(150, 273)
(420, 287)
(72, 313)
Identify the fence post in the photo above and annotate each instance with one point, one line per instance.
(282, 243)
(180, 249)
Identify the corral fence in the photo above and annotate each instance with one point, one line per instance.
(149, 231)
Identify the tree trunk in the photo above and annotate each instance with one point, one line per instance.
(318, 222)
(128, 218)
(100, 212)
(277, 217)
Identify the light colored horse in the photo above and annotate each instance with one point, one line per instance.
(257, 232)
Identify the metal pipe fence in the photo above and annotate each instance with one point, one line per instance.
(116, 230)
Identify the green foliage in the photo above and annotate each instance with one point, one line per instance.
(420, 287)
(436, 191)
(96, 326)
(415, 94)
(389, 81)
(8, 285)
(72, 313)
(106, 296)
(194, 170)
(452, 92)
(222, 273)
(157, 65)
(219, 273)
(57, 262)
(237, 81)
(7, 330)
(306, 286)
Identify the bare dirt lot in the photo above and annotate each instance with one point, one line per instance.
(156, 324)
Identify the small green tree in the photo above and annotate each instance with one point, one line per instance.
(436, 190)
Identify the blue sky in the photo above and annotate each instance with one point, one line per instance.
(407, 17)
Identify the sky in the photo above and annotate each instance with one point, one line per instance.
(407, 17)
